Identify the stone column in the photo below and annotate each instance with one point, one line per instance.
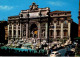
(46, 31)
(8, 33)
(8, 30)
(12, 30)
(16, 30)
(69, 27)
(61, 29)
(39, 30)
(20, 30)
(54, 30)
(26, 30)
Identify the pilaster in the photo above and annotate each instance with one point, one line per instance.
(20, 30)
(62, 20)
(17, 30)
(54, 29)
(26, 30)
(69, 28)
(12, 30)
(39, 30)
(46, 31)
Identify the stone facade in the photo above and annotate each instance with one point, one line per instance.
(33, 23)
(61, 21)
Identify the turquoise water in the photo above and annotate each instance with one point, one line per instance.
(19, 49)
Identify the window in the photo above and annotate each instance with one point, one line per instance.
(14, 32)
(21, 15)
(10, 32)
(65, 32)
(58, 32)
(51, 33)
(14, 24)
(18, 32)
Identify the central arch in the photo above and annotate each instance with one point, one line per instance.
(33, 31)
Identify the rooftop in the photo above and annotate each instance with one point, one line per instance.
(13, 16)
(57, 11)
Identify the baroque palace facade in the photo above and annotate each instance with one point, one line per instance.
(40, 24)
